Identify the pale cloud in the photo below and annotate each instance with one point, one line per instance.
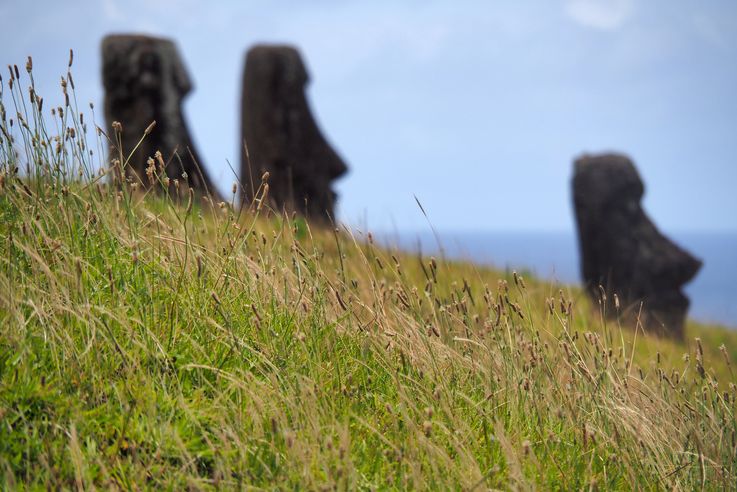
(606, 15)
(111, 11)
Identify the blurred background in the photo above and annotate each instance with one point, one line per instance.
(476, 108)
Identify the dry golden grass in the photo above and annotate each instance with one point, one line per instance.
(157, 342)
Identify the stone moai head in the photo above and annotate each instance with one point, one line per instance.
(622, 250)
(279, 135)
(145, 80)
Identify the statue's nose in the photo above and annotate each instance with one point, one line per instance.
(686, 265)
(337, 167)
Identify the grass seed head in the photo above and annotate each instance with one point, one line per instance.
(526, 447)
(149, 128)
(427, 428)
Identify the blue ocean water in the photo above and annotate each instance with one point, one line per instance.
(554, 255)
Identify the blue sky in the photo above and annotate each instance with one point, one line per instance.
(476, 107)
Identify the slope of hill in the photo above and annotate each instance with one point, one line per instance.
(170, 342)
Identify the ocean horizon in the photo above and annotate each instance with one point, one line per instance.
(554, 255)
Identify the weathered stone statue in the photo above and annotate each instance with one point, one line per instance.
(279, 135)
(623, 251)
(145, 80)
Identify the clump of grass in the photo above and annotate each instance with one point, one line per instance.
(151, 342)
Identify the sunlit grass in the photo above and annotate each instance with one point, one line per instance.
(157, 342)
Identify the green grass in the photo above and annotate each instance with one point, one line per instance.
(149, 342)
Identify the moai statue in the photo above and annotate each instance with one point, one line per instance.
(621, 249)
(145, 80)
(279, 135)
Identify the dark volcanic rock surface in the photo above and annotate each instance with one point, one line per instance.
(282, 136)
(623, 251)
(145, 80)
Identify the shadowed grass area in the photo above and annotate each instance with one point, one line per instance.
(157, 342)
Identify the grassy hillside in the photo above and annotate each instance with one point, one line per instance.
(176, 343)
